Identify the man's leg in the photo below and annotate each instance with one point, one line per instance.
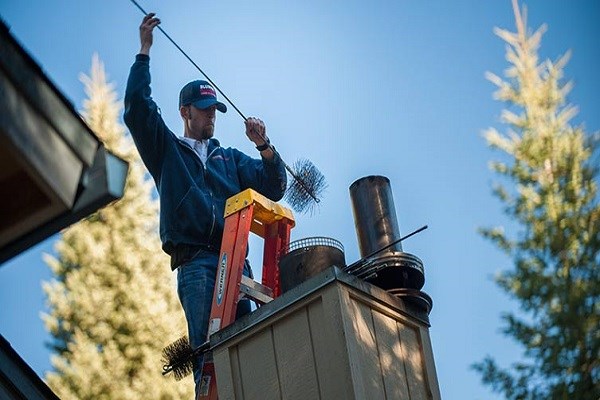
(195, 286)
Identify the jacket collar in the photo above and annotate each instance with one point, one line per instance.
(212, 143)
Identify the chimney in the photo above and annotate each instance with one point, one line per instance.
(390, 268)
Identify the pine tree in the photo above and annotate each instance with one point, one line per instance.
(113, 304)
(554, 202)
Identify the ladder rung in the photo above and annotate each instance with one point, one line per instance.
(261, 293)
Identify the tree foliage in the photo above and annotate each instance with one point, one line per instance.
(112, 302)
(554, 201)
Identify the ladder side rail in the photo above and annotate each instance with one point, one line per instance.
(277, 239)
(230, 269)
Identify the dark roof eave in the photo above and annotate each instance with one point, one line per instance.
(105, 183)
(18, 379)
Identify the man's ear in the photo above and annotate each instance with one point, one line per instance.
(184, 111)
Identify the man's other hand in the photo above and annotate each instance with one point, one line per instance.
(148, 24)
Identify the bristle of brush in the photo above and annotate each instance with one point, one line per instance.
(183, 370)
(179, 357)
(305, 189)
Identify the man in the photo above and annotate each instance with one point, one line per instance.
(194, 177)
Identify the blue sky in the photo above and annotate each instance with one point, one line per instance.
(392, 88)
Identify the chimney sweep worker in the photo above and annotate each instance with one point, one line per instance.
(194, 176)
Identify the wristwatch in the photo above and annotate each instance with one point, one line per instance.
(263, 146)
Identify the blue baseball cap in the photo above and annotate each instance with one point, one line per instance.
(201, 95)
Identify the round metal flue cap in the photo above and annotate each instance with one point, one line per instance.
(306, 258)
(397, 270)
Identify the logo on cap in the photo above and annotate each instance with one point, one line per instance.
(207, 90)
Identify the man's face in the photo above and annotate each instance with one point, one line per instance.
(199, 123)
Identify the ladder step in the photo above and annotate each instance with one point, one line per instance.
(261, 293)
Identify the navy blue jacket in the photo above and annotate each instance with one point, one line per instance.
(192, 196)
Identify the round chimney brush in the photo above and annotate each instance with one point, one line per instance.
(178, 357)
(304, 191)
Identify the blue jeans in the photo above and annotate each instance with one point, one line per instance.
(195, 285)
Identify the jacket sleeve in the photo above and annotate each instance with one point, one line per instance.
(142, 116)
(267, 177)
